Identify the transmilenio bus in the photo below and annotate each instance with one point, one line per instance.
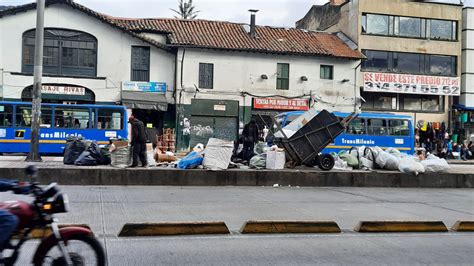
(58, 122)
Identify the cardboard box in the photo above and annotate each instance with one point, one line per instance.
(149, 147)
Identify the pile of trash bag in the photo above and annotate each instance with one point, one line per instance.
(73, 149)
(93, 155)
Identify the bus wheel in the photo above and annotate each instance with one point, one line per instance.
(326, 162)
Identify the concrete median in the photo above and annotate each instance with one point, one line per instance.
(400, 226)
(173, 228)
(463, 226)
(289, 227)
(303, 177)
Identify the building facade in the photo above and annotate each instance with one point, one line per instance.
(203, 78)
(464, 111)
(413, 51)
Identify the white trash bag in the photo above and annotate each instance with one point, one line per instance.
(435, 164)
(409, 165)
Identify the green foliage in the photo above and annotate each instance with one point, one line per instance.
(185, 10)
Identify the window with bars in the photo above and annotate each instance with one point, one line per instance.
(140, 63)
(206, 75)
(65, 52)
(283, 76)
(326, 72)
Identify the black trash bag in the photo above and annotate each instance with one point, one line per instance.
(73, 149)
(97, 153)
(86, 159)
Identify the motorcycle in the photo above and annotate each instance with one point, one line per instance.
(63, 246)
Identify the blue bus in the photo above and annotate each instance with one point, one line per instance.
(58, 122)
(368, 129)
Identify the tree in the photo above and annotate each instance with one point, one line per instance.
(185, 10)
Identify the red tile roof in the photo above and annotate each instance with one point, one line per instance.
(233, 36)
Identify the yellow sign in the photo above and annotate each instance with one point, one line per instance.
(149, 125)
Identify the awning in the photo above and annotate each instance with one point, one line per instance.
(463, 107)
(145, 100)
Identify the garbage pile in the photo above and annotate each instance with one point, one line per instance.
(371, 158)
(84, 152)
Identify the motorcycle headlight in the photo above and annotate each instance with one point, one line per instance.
(59, 204)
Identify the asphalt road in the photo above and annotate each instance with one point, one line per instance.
(106, 209)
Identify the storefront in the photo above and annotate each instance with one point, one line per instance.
(147, 102)
(463, 122)
(266, 108)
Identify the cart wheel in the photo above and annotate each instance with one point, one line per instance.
(326, 162)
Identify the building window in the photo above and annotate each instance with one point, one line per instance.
(409, 63)
(376, 61)
(379, 101)
(410, 27)
(326, 72)
(206, 75)
(441, 65)
(442, 29)
(422, 103)
(65, 52)
(377, 24)
(140, 63)
(283, 76)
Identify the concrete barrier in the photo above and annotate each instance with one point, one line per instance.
(173, 228)
(287, 227)
(463, 226)
(68, 175)
(400, 226)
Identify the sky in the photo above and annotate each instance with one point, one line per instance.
(280, 13)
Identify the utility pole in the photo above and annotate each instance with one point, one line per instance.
(34, 155)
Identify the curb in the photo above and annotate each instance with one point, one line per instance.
(463, 226)
(173, 228)
(285, 227)
(400, 226)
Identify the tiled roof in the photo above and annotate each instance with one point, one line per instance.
(219, 34)
(233, 36)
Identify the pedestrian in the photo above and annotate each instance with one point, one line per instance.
(449, 150)
(250, 136)
(138, 142)
(429, 146)
(470, 150)
(464, 152)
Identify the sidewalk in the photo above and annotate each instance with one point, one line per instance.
(53, 170)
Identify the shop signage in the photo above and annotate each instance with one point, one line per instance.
(411, 84)
(159, 87)
(64, 90)
(280, 104)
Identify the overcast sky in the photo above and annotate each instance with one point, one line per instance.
(272, 12)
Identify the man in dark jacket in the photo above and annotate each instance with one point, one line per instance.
(250, 136)
(138, 142)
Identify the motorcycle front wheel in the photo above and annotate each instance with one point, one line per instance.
(82, 249)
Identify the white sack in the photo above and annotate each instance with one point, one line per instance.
(408, 165)
(435, 165)
(217, 154)
(275, 159)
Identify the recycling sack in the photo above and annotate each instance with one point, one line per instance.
(435, 165)
(218, 154)
(121, 157)
(192, 160)
(409, 165)
(74, 147)
(350, 159)
(86, 159)
(258, 161)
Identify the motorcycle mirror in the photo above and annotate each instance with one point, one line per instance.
(31, 170)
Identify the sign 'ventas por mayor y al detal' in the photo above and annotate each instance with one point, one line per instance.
(159, 87)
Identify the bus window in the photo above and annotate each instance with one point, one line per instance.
(399, 127)
(23, 116)
(377, 127)
(46, 117)
(356, 127)
(6, 115)
(71, 118)
(109, 119)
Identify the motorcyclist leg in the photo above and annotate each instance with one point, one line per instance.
(8, 224)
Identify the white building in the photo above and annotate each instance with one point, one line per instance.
(86, 58)
(217, 74)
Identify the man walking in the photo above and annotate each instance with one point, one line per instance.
(250, 136)
(138, 142)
